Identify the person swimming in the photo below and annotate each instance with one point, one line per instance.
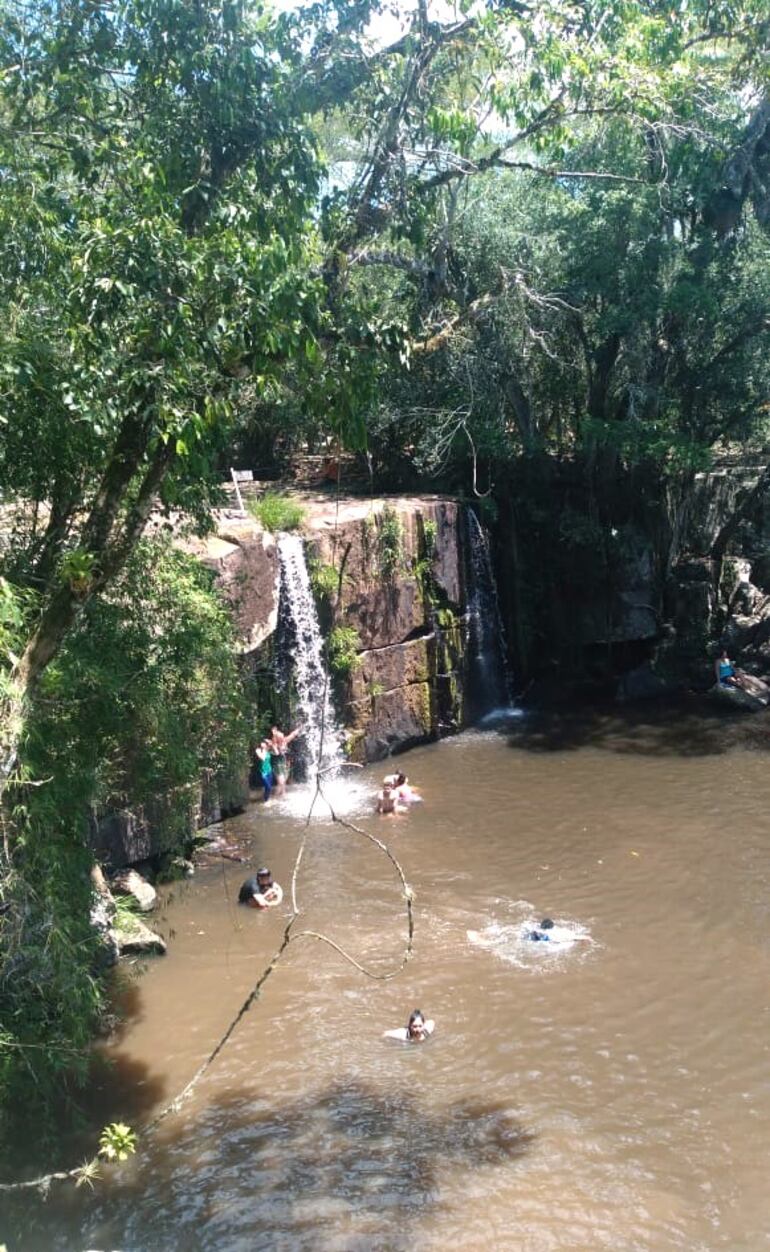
(261, 892)
(417, 1029)
(399, 783)
(549, 932)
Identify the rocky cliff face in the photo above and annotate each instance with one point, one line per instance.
(390, 579)
(719, 583)
(400, 598)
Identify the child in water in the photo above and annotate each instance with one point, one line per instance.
(416, 1030)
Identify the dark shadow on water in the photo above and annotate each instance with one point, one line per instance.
(350, 1167)
(687, 727)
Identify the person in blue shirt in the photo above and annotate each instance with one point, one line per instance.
(265, 758)
(726, 673)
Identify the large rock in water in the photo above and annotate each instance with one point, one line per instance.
(102, 917)
(130, 883)
(136, 939)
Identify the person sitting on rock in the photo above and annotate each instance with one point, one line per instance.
(726, 673)
(416, 1030)
(261, 892)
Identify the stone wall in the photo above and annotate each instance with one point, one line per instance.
(402, 590)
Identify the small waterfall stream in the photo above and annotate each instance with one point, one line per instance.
(301, 662)
(490, 686)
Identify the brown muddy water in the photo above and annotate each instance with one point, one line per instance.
(610, 1094)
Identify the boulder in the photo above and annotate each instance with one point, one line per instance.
(738, 698)
(129, 883)
(134, 938)
(120, 838)
(102, 917)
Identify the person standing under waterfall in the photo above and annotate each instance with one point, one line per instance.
(265, 758)
(279, 743)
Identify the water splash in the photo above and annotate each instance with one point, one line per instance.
(490, 686)
(511, 941)
(302, 667)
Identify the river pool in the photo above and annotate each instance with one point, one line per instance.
(611, 1093)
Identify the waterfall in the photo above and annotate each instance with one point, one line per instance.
(301, 662)
(489, 686)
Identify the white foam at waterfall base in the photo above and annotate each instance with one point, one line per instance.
(344, 793)
(319, 746)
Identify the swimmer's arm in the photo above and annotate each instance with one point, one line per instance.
(430, 1026)
(400, 1034)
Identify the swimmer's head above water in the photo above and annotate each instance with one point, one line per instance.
(416, 1027)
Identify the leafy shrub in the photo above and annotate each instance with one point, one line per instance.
(324, 579)
(430, 535)
(342, 647)
(390, 542)
(117, 1142)
(277, 512)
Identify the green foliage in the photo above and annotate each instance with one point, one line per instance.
(146, 697)
(390, 542)
(126, 913)
(342, 647)
(77, 569)
(324, 579)
(429, 533)
(277, 512)
(117, 1142)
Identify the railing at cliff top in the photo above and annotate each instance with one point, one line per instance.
(301, 664)
(489, 688)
